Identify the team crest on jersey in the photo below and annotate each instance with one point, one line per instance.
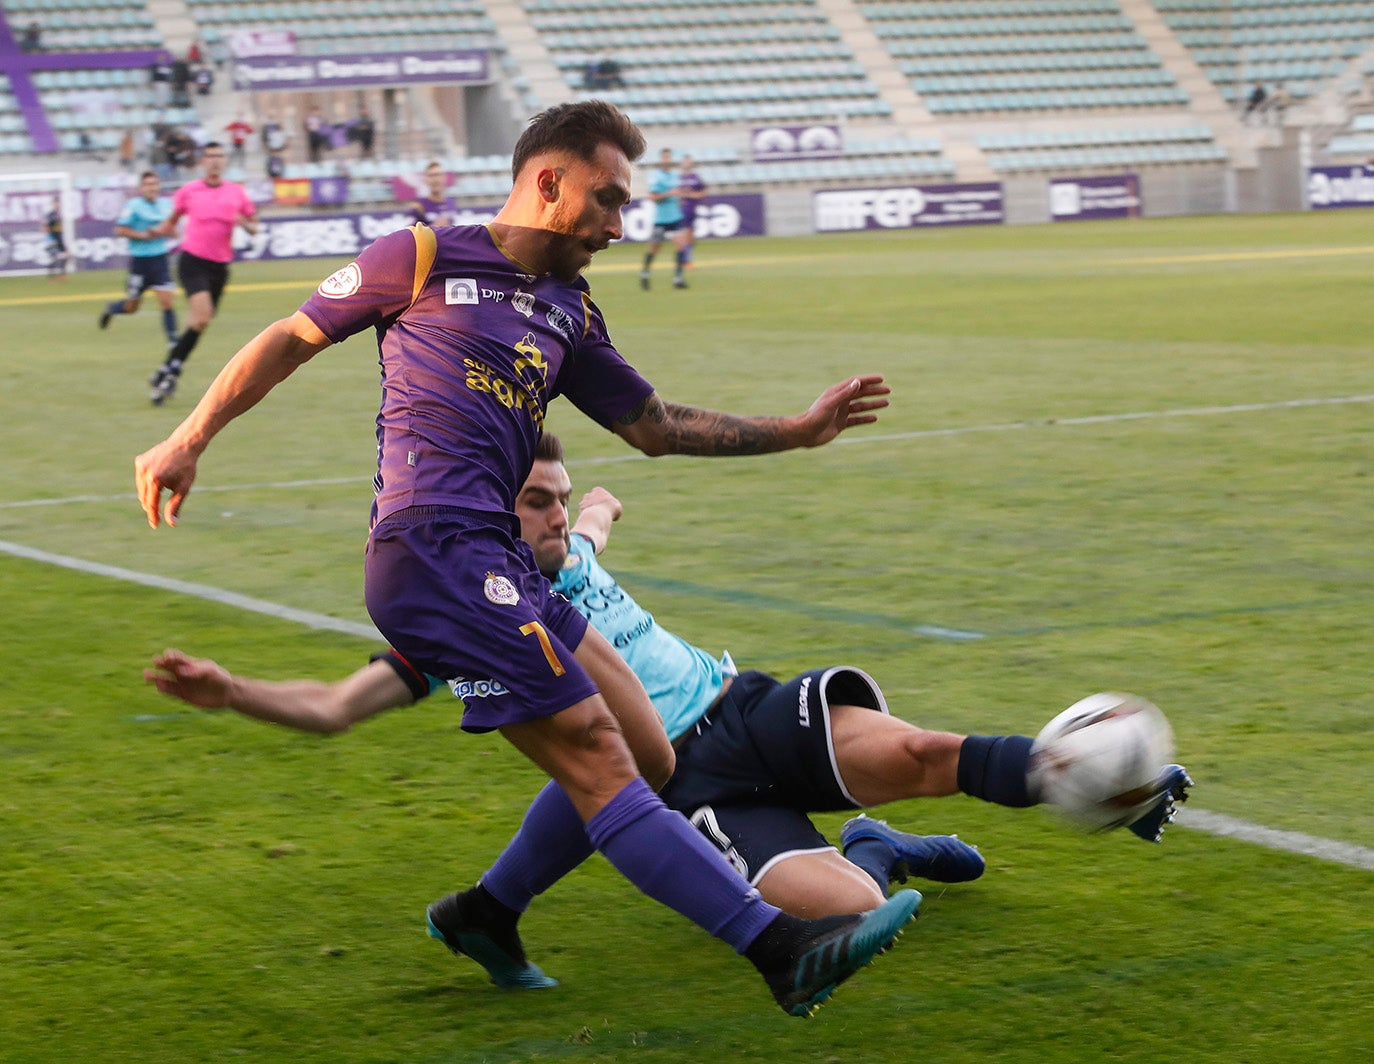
(562, 321)
(460, 290)
(342, 283)
(523, 302)
(500, 591)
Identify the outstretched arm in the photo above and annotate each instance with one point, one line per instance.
(307, 705)
(265, 361)
(658, 427)
(596, 512)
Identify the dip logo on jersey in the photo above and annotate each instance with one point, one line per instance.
(523, 302)
(460, 290)
(500, 591)
(467, 689)
(342, 283)
(804, 703)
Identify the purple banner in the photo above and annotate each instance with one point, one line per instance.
(789, 143)
(1330, 187)
(717, 217)
(1074, 199)
(318, 235)
(907, 207)
(366, 68)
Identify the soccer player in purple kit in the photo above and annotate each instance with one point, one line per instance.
(690, 188)
(437, 208)
(479, 327)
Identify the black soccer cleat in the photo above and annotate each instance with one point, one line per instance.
(105, 317)
(458, 922)
(836, 948)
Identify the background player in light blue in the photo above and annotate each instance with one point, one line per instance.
(669, 220)
(149, 262)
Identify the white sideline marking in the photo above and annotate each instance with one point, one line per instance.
(846, 440)
(1186, 816)
(1271, 838)
(319, 621)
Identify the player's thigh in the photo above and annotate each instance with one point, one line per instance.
(813, 885)
(882, 759)
(629, 704)
(582, 748)
(200, 309)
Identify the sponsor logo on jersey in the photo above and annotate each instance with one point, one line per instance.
(523, 302)
(804, 703)
(342, 283)
(500, 591)
(562, 321)
(460, 290)
(467, 689)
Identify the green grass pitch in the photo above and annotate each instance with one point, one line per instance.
(1129, 455)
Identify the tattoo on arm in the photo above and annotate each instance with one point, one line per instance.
(691, 430)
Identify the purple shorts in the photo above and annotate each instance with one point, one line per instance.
(461, 598)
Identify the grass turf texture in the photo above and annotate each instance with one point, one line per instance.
(176, 886)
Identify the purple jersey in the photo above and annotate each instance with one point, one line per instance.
(690, 182)
(473, 348)
(434, 211)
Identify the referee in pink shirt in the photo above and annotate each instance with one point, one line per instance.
(212, 208)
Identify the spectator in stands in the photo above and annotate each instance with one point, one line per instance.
(274, 141)
(160, 77)
(363, 132)
(181, 81)
(1254, 103)
(32, 41)
(204, 78)
(1279, 102)
(317, 132)
(127, 151)
(603, 73)
(239, 130)
(437, 207)
(194, 55)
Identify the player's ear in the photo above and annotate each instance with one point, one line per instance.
(548, 181)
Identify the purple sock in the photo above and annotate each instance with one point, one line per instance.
(551, 842)
(666, 858)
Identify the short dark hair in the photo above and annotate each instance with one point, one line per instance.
(549, 449)
(210, 144)
(579, 128)
(147, 174)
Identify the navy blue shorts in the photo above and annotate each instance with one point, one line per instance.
(148, 271)
(763, 758)
(459, 595)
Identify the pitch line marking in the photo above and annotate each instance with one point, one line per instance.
(1187, 816)
(1237, 256)
(845, 440)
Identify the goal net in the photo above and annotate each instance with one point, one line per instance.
(26, 200)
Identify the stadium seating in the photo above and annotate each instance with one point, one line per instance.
(711, 62)
(980, 56)
(1080, 149)
(88, 25)
(1298, 43)
(325, 26)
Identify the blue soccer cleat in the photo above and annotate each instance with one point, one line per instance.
(1174, 782)
(456, 922)
(836, 948)
(943, 858)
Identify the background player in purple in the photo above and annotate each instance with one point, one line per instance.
(690, 188)
(213, 208)
(437, 207)
(479, 327)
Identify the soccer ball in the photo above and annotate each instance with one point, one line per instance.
(1099, 760)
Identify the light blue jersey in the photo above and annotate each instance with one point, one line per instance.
(138, 215)
(682, 680)
(667, 212)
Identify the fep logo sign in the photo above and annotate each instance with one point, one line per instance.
(910, 207)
